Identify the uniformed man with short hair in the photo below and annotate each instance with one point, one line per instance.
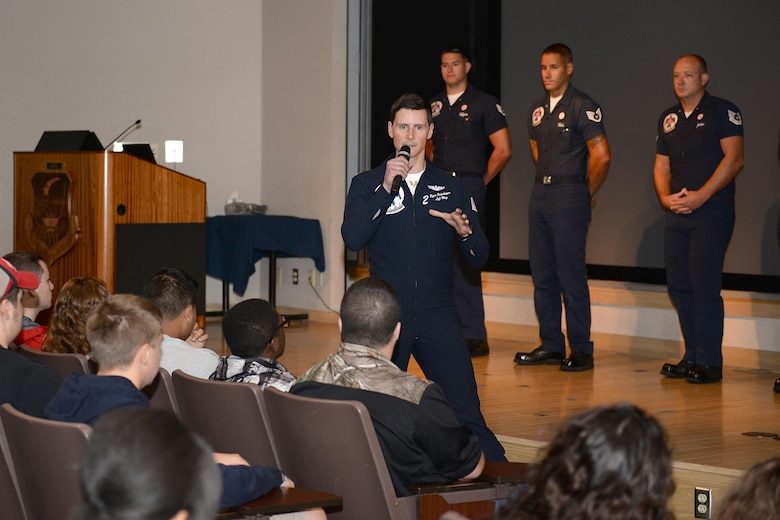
(698, 156)
(570, 149)
(472, 142)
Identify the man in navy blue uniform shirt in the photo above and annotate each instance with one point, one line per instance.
(571, 153)
(698, 155)
(472, 142)
(410, 237)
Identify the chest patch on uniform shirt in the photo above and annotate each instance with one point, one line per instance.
(537, 115)
(398, 203)
(436, 108)
(438, 194)
(735, 117)
(562, 116)
(594, 115)
(670, 123)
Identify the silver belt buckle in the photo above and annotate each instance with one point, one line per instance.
(547, 179)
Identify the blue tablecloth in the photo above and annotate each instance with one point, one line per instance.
(235, 243)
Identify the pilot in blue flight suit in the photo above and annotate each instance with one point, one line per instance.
(410, 244)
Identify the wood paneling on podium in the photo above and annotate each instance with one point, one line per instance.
(67, 206)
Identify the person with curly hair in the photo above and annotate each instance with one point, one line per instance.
(608, 462)
(756, 496)
(67, 327)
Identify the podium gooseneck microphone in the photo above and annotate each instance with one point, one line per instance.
(123, 134)
(406, 152)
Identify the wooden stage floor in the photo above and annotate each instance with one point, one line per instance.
(705, 423)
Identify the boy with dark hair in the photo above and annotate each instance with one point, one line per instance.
(254, 331)
(33, 300)
(183, 345)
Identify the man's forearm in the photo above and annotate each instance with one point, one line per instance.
(496, 163)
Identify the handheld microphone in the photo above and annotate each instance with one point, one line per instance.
(123, 134)
(406, 152)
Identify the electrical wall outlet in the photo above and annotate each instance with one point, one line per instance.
(702, 503)
(315, 278)
(295, 276)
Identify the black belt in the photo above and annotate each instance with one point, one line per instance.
(559, 179)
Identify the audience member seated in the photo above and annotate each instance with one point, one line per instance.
(756, 496)
(145, 465)
(26, 384)
(609, 462)
(125, 333)
(183, 344)
(76, 299)
(254, 331)
(420, 436)
(34, 301)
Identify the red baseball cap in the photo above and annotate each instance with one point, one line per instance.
(10, 278)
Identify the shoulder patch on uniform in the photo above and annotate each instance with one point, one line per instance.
(398, 203)
(537, 115)
(670, 123)
(594, 115)
(735, 117)
(500, 109)
(436, 108)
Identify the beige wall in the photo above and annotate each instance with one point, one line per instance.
(304, 131)
(255, 89)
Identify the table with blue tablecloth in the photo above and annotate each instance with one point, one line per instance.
(236, 242)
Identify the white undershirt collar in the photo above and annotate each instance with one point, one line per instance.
(554, 102)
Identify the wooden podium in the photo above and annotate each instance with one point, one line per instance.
(109, 215)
